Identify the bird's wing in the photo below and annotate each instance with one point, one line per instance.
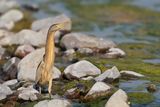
(39, 70)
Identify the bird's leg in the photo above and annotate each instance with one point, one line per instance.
(50, 87)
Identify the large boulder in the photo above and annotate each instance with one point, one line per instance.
(118, 99)
(109, 75)
(80, 40)
(54, 102)
(99, 89)
(28, 66)
(4, 91)
(47, 22)
(81, 69)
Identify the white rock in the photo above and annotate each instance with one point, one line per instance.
(56, 73)
(54, 102)
(4, 91)
(110, 74)
(47, 22)
(28, 66)
(25, 37)
(85, 50)
(131, 73)
(23, 50)
(81, 69)
(115, 53)
(4, 33)
(28, 94)
(12, 15)
(118, 99)
(5, 5)
(6, 24)
(80, 40)
(69, 52)
(97, 90)
(10, 82)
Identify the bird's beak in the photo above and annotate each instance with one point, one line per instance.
(62, 25)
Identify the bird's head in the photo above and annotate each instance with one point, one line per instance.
(56, 27)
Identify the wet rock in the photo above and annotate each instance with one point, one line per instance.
(118, 99)
(28, 93)
(5, 5)
(81, 69)
(151, 88)
(23, 50)
(79, 40)
(4, 91)
(99, 89)
(25, 37)
(87, 51)
(2, 52)
(115, 53)
(109, 75)
(10, 68)
(28, 66)
(55, 102)
(47, 22)
(8, 19)
(129, 74)
(10, 82)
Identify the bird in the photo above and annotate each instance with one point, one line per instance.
(44, 70)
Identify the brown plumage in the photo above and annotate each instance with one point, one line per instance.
(44, 70)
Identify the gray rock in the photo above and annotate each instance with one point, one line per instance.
(47, 22)
(25, 37)
(56, 73)
(23, 50)
(6, 25)
(79, 40)
(28, 93)
(10, 68)
(81, 69)
(10, 82)
(69, 52)
(125, 73)
(4, 91)
(8, 19)
(115, 53)
(54, 102)
(5, 5)
(4, 33)
(2, 52)
(109, 75)
(12, 15)
(99, 89)
(28, 66)
(88, 78)
(118, 99)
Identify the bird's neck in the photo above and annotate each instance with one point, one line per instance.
(49, 47)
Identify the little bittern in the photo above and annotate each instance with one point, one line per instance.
(44, 70)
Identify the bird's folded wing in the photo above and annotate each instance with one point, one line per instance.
(39, 70)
